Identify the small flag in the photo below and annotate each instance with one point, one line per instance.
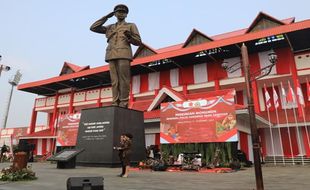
(300, 95)
(290, 98)
(267, 97)
(275, 97)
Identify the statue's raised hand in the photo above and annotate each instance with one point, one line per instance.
(111, 14)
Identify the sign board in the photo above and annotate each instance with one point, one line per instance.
(67, 129)
(205, 120)
(65, 155)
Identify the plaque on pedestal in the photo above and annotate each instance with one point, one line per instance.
(100, 130)
(66, 158)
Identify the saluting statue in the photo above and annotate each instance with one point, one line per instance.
(119, 53)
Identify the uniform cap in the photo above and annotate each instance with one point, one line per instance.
(121, 7)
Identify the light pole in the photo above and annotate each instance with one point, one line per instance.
(254, 132)
(13, 83)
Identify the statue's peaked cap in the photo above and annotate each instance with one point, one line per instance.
(121, 7)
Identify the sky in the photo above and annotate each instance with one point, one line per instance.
(38, 36)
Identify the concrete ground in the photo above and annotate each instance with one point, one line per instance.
(275, 178)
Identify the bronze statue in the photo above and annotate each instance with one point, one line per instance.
(118, 53)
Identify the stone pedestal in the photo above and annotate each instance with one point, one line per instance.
(100, 130)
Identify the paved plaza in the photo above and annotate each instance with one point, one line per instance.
(275, 178)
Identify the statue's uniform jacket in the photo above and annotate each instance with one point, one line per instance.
(118, 44)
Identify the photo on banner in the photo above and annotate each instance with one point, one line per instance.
(198, 121)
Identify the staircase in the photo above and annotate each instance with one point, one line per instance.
(279, 160)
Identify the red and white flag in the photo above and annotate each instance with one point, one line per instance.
(267, 97)
(308, 90)
(290, 98)
(300, 95)
(275, 97)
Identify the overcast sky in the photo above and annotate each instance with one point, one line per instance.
(38, 36)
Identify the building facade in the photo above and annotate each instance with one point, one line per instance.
(193, 70)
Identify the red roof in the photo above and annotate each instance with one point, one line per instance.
(259, 17)
(193, 33)
(65, 77)
(141, 105)
(229, 38)
(154, 114)
(226, 41)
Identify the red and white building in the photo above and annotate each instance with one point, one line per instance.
(192, 70)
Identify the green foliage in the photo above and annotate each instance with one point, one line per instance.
(12, 174)
(207, 150)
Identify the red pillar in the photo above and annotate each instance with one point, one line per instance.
(244, 146)
(71, 102)
(33, 120)
(185, 89)
(255, 97)
(217, 84)
(55, 113)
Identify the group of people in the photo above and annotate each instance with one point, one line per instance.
(4, 151)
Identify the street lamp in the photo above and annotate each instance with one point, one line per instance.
(248, 79)
(13, 83)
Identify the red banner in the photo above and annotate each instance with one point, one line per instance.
(205, 120)
(67, 130)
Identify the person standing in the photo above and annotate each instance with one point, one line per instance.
(124, 153)
(4, 149)
(119, 36)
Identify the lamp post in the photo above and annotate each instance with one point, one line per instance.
(248, 79)
(13, 83)
(254, 131)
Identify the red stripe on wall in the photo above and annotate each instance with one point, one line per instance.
(254, 62)
(144, 83)
(285, 142)
(239, 97)
(164, 79)
(187, 75)
(294, 140)
(44, 146)
(244, 146)
(215, 71)
(157, 139)
(305, 140)
(284, 57)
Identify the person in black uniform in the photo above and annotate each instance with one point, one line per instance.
(4, 149)
(124, 153)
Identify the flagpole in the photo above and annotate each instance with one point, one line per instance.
(276, 105)
(297, 128)
(287, 125)
(303, 114)
(302, 104)
(271, 134)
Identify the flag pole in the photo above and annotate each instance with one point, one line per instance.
(276, 105)
(302, 104)
(284, 105)
(270, 130)
(297, 128)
